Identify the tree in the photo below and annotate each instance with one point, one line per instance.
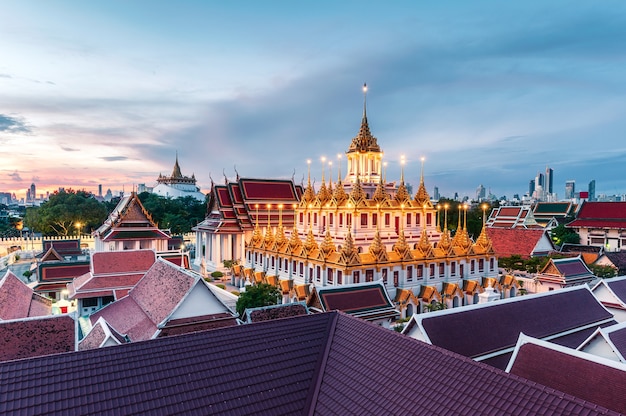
(256, 296)
(66, 213)
(561, 235)
(603, 272)
(178, 214)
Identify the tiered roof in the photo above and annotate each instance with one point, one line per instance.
(130, 221)
(566, 271)
(239, 206)
(600, 215)
(546, 212)
(314, 364)
(512, 217)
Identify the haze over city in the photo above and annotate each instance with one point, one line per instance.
(488, 92)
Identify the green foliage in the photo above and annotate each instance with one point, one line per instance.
(561, 235)
(516, 262)
(230, 263)
(27, 273)
(221, 286)
(179, 214)
(256, 296)
(66, 213)
(603, 272)
(399, 328)
(217, 274)
(435, 306)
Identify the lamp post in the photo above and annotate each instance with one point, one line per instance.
(78, 226)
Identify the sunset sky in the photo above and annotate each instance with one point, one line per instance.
(489, 92)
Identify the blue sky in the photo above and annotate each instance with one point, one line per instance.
(489, 92)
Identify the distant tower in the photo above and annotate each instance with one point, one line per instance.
(531, 187)
(436, 195)
(570, 189)
(549, 186)
(33, 192)
(480, 192)
(592, 190)
(100, 190)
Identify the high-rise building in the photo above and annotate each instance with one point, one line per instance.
(549, 185)
(480, 192)
(436, 195)
(100, 190)
(592, 190)
(531, 187)
(570, 189)
(33, 191)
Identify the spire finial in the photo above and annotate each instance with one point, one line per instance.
(402, 161)
(422, 173)
(364, 100)
(323, 159)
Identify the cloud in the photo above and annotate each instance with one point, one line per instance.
(15, 176)
(13, 124)
(69, 149)
(113, 158)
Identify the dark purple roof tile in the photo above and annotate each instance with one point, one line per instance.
(481, 330)
(320, 364)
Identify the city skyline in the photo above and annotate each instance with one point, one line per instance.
(488, 93)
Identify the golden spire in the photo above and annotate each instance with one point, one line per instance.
(402, 247)
(256, 235)
(483, 239)
(445, 242)
(269, 235)
(281, 240)
(421, 196)
(294, 241)
(438, 217)
(402, 195)
(377, 249)
(176, 173)
(309, 193)
(424, 244)
(349, 253)
(328, 246)
(310, 243)
(330, 177)
(364, 141)
(324, 194)
(380, 194)
(357, 194)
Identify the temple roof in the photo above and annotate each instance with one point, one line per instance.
(312, 364)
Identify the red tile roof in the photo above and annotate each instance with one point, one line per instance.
(35, 337)
(314, 364)
(509, 241)
(19, 301)
(582, 375)
(109, 262)
(601, 215)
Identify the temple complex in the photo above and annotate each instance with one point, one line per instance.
(177, 185)
(357, 229)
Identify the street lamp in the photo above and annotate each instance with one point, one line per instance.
(78, 226)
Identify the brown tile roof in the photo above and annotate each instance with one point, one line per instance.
(19, 301)
(152, 301)
(34, 337)
(588, 377)
(318, 364)
(266, 313)
(509, 241)
(566, 316)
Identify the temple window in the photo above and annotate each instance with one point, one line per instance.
(315, 218)
(302, 218)
(408, 219)
(420, 271)
(330, 219)
(340, 219)
(418, 219)
(355, 276)
(329, 273)
(339, 276)
(301, 269)
(318, 273)
(429, 219)
(369, 275)
(363, 220)
(396, 278)
(384, 274)
(453, 268)
(374, 220)
(409, 273)
(442, 269)
(472, 266)
(481, 265)
(492, 264)
(349, 219)
(432, 271)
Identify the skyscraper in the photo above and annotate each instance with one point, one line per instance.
(570, 189)
(436, 195)
(480, 192)
(531, 187)
(592, 190)
(549, 180)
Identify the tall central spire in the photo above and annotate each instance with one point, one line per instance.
(365, 102)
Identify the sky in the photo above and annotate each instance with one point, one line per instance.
(488, 92)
